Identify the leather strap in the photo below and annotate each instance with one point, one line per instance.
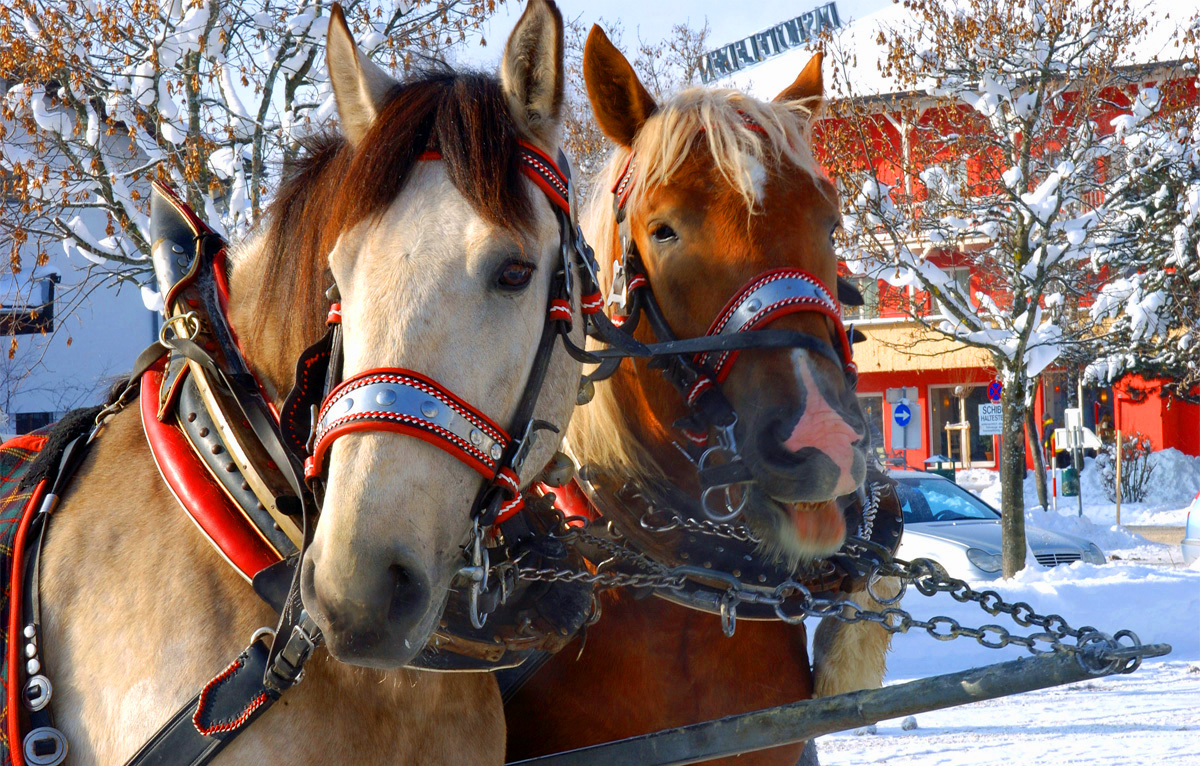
(210, 720)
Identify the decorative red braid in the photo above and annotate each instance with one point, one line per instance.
(219, 727)
(335, 314)
(592, 303)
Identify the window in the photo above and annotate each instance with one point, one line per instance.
(31, 421)
(27, 303)
(961, 276)
(924, 500)
(945, 408)
(873, 411)
(869, 287)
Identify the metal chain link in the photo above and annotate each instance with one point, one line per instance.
(793, 602)
(671, 521)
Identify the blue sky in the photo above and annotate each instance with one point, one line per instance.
(730, 20)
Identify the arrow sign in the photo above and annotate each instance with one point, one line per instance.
(901, 414)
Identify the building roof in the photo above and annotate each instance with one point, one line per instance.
(859, 38)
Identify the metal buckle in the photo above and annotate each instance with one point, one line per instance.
(727, 446)
(477, 573)
(45, 746)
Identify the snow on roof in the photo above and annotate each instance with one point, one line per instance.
(858, 40)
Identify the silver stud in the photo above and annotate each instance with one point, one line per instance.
(30, 650)
(347, 404)
(182, 261)
(385, 397)
(754, 304)
(33, 666)
(429, 409)
(476, 436)
(496, 452)
(29, 631)
(177, 249)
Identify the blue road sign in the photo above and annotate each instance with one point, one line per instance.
(994, 389)
(901, 414)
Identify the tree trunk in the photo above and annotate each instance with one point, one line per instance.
(1039, 465)
(1012, 476)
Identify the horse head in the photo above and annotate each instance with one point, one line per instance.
(719, 196)
(444, 251)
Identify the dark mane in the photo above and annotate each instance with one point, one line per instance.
(333, 187)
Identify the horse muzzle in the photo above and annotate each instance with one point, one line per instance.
(379, 615)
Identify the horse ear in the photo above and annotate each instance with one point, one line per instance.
(809, 86)
(619, 100)
(359, 86)
(531, 72)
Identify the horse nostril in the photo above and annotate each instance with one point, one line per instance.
(410, 594)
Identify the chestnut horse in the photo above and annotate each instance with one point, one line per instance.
(725, 189)
(444, 266)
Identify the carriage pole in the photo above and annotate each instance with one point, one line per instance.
(800, 721)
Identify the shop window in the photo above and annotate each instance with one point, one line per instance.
(947, 408)
(873, 414)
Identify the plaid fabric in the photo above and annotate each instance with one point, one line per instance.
(16, 455)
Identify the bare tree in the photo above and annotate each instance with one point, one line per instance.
(210, 94)
(991, 164)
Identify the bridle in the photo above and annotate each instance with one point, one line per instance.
(697, 375)
(407, 402)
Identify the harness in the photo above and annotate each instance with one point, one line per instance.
(252, 479)
(714, 561)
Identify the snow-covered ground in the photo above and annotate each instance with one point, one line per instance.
(1173, 485)
(1149, 717)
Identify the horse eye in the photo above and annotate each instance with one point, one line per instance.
(515, 275)
(663, 233)
(833, 234)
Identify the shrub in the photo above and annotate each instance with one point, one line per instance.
(1136, 468)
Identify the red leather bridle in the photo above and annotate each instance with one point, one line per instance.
(402, 401)
(738, 326)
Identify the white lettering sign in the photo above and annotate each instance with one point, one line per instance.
(991, 418)
(771, 42)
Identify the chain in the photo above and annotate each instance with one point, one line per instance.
(793, 603)
(656, 520)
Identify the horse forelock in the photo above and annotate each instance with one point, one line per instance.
(333, 186)
(781, 134)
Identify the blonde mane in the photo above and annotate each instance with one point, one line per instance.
(599, 433)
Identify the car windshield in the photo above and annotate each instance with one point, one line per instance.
(940, 500)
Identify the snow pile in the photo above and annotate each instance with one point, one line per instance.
(1108, 537)
(1173, 486)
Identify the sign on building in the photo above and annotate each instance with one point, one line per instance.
(906, 418)
(768, 43)
(991, 418)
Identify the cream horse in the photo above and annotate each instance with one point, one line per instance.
(140, 611)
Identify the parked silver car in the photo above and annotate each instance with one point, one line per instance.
(1191, 533)
(946, 523)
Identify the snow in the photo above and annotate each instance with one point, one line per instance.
(1148, 717)
(1173, 486)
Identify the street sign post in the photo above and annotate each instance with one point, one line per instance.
(906, 419)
